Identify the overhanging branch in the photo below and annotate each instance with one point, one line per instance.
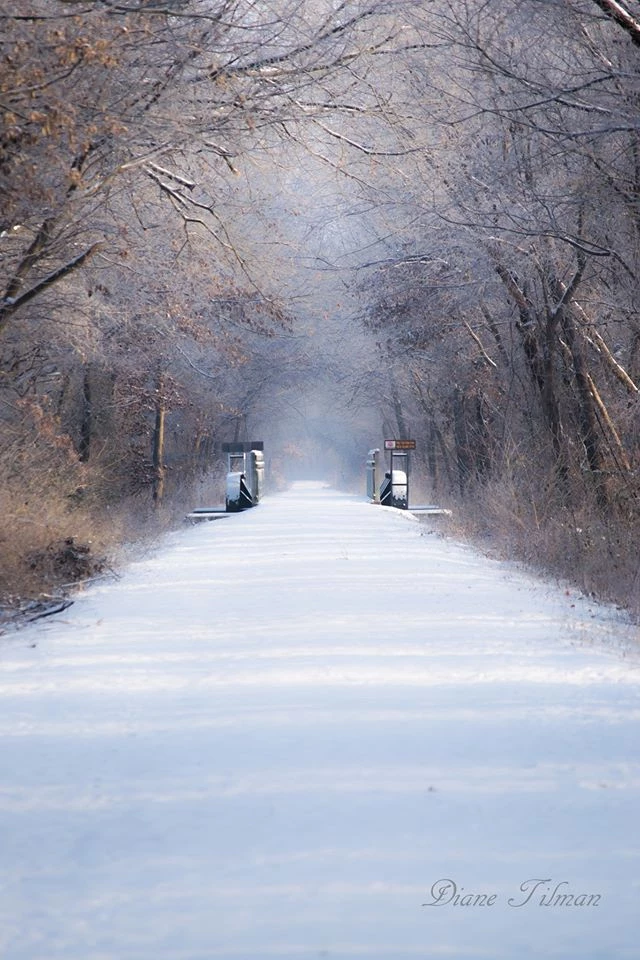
(11, 304)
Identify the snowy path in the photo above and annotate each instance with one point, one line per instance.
(274, 737)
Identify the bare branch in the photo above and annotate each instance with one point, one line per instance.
(477, 340)
(11, 304)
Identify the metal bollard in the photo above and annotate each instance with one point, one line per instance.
(373, 472)
(255, 473)
(395, 489)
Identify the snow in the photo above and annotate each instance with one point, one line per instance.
(274, 737)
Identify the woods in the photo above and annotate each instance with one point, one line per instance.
(526, 270)
(318, 220)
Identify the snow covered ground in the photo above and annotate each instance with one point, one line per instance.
(279, 736)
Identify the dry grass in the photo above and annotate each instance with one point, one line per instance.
(572, 538)
(62, 521)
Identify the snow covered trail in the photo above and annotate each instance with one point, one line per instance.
(288, 730)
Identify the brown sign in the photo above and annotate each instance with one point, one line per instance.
(399, 444)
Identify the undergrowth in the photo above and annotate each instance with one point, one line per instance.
(55, 539)
(574, 540)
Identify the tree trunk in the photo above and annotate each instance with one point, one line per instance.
(158, 443)
(461, 438)
(397, 409)
(432, 460)
(481, 453)
(86, 418)
(589, 433)
(549, 396)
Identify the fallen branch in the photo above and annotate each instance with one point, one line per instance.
(484, 353)
(619, 372)
(617, 12)
(604, 413)
(63, 605)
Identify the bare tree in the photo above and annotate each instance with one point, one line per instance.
(114, 93)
